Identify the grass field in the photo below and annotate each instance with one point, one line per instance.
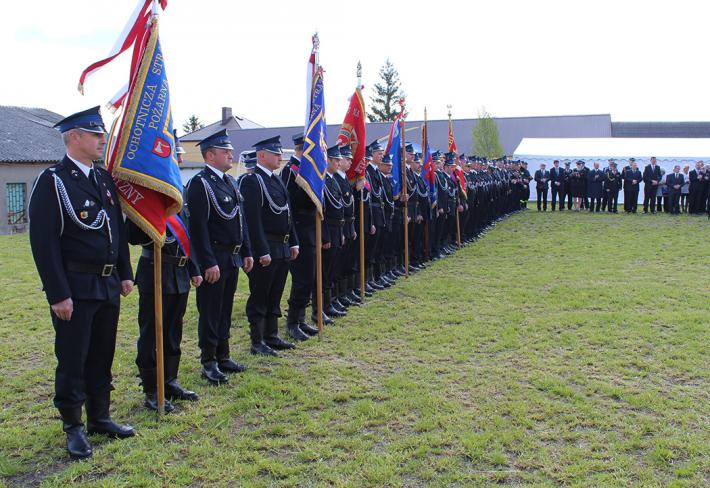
(557, 350)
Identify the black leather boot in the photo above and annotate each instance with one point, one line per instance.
(78, 445)
(98, 419)
(173, 389)
(210, 369)
(328, 306)
(303, 325)
(272, 338)
(227, 364)
(256, 330)
(150, 388)
(293, 328)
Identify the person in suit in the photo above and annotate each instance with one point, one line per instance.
(373, 241)
(178, 272)
(696, 189)
(220, 245)
(303, 268)
(675, 182)
(685, 190)
(651, 179)
(568, 184)
(612, 184)
(585, 183)
(542, 177)
(79, 245)
(632, 180)
(595, 182)
(557, 185)
(274, 242)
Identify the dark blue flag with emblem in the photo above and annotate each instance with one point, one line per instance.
(394, 145)
(311, 175)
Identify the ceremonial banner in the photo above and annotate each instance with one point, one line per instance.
(452, 142)
(142, 160)
(394, 149)
(352, 134)
(461, 178)
(311, 174)
(428, 168)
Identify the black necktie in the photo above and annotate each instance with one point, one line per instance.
(92, 179)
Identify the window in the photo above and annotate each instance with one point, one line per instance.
(16, 211)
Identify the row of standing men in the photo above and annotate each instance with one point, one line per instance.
(264, 223)
(598, 190)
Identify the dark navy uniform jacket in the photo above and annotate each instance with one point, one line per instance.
(302, 207)
(270, 232)
(63, 201)
(348, 205)
(333, 211)
(210, 231)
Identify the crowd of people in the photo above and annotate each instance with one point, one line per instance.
(596, 190)
(263, 223)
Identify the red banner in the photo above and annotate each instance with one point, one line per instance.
(352, 133)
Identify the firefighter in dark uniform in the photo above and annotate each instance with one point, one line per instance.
(612, 184)
(369, 229)
(389, 239)
(415, 221)
(373, 241)
(332, 238)
(79, 245)
(303, 268)
(178, 271)
(347, 269)
(220, 245)
(274, 243)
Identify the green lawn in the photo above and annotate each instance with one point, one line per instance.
(557, 350)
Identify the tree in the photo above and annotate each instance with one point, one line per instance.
(387, 94)
(192, 124)
(485, 137)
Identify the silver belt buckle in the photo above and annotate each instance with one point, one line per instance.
(107, 270)
(182, 262)
(286, 239)
(236, 249)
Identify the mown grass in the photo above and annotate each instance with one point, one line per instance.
(557, 350)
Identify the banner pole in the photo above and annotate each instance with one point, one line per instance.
(403, 168)
(158, 292)
(319, 277)
(362, 247)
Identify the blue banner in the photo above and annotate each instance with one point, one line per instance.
(311, 174)
(396, 156)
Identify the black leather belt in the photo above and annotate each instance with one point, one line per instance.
(350, 219)
(375, 205)
(337, 222)
(277, 238)
(230, 248)
(103, 270)
(179, 261)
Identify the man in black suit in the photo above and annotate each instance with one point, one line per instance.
(79, 245)
(595, 183)
(632, 179)
(220, 244)
(557, 185)
(303, 268)
(651, 179)
(612, 185)
(675, 182)
(274, 242)
(542, 177)
(373, 241)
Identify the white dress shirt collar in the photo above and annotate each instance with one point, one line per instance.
(267, 171)
(217, 172)
(84, 168)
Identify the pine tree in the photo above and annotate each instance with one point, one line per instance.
(384, 103)
(192, 124)
(485, 137)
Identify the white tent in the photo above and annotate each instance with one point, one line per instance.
(668, 152)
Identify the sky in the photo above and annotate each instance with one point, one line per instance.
(637, 60)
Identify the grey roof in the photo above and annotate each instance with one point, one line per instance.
(661, 129)
(511, 130)
(26, 135)
(234, 123)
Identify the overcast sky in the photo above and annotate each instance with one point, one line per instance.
(638, 60)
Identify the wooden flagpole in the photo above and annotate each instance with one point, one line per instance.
(403, 169)
(362, 213)
(158, 292)
(319, 276)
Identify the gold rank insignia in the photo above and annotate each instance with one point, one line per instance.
(83, 214)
